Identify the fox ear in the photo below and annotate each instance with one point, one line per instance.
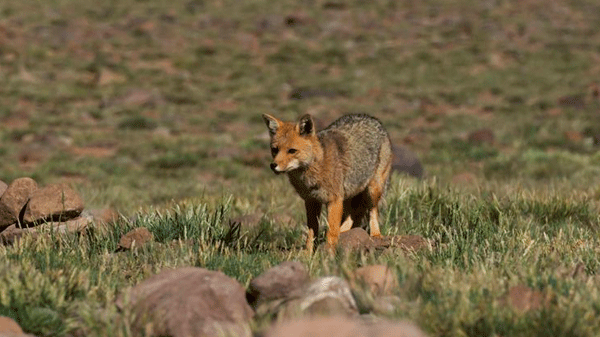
(306, 126)
(272, 123)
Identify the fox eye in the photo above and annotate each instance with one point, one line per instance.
(274, 150)
(292, 151)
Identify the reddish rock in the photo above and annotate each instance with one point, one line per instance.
(343, 327)
(355, 239)
(13, 233)
(188, 302)
(53, 203)
(8, 327)
(3, 187)
(573, 136)
(102, 215)
(572, 101)
(482, 136)
(14, 199)
(135, 239)
(522, 298)
(379, 279)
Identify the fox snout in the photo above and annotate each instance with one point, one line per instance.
(275, 169)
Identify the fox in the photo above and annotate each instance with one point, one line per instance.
(345, 167)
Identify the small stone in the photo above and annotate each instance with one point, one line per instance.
(13, 200)
(482, 136)
(522, 298)
(355, 239)
(135, 239)
(379, 279)
(55, 202)
(102, 215)
(573, 136)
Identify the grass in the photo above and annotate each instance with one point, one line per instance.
(485, 244)
(153, 109)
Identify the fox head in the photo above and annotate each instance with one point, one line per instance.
(293, 145)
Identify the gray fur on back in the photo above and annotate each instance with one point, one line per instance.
(362, 139)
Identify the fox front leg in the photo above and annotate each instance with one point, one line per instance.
(313, 210)
(334, 220)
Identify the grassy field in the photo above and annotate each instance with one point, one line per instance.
(153, 108)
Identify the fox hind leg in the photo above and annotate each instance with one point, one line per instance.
(375, 190)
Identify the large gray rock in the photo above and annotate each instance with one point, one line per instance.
(278, 282)
(188, 302)
(343, 327)
(14, 199)
(53, 203)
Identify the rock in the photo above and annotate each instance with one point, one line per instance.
(188, 302)
(72, 226)
(572, 101)
(324, 296)
(56, 202)
(343, 327)
(482, 136)
(355, 239)
(3, 187)
(379, 279)
(522, 298)
(135, 238)
(14, 199)
(9, 327)
(13, 233)
(573, 136)
(103, 215)
(404, 160)
(278, 282)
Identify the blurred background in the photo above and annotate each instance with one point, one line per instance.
(138, 102)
